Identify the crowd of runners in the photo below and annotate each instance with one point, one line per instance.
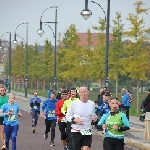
(73, 113)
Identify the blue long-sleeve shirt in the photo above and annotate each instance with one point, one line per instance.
(49, 106)
(104, 108)
(122, 120)
(35, 105)
(125, 100)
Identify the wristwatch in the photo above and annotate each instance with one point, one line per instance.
(72, 120)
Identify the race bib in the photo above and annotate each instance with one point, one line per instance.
(35, 107)
(86, 132)
(63, 119)
(13, 116)
(51, 113)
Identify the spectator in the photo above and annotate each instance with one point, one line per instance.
(146, 102)
(49, 92)
(125, 102)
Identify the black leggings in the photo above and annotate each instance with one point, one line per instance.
(113, 144)
(50, 124)
(62, 129)
(69, 136)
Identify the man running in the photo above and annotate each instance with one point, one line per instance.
(81, 114)
(62, 123)
(64, 110)
(50, 117)
(3, 100)
(35, 109)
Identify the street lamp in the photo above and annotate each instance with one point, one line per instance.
(86, 11)
(40, 33)
(26, 60)
(9, 68)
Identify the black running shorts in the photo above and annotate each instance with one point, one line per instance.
(1, 120)
(80, 140)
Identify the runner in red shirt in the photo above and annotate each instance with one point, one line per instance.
(62, 123)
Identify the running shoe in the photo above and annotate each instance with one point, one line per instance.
(52, 144)
(3, 147)
(46, 136)
(33, 131)
(65, 148)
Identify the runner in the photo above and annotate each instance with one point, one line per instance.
(114, 123)
(62, 123)
(10, 111)
(3, 100)
(64, 110)
(81, 114)
(50, 117)
(35, 109)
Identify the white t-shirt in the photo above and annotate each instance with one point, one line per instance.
(83, 110)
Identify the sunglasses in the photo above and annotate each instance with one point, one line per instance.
(64, 94)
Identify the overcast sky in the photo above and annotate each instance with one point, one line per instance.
(14, 12)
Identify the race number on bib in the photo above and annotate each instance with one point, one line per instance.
(86, 132)
(35, 107)
(63, 119)
(51, 113)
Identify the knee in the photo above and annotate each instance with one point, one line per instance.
(13, 137)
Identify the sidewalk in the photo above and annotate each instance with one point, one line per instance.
(26, 140)
(133, 137)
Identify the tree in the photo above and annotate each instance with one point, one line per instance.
(98, 55)
(116, 49)
(136, 59)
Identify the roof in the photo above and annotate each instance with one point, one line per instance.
(83, 39)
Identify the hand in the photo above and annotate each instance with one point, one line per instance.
(104, 126)
(19, 115)
(78, 121)
(95, 117)
(43, 115)
(96, 105)
(115, 127)
(9, 113)
(34, 100)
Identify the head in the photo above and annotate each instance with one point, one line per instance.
(83, 93)
(35, 93)
(64, 94)
(123, 91)
(73, 92)
(51, 88)
(11, 98)
(101, 91)
(148, 92)
(53, 96)
(2, 91)
(114, 104)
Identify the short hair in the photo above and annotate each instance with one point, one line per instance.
(11, 94)
(53, 93)
(35, 91)
(73, 88)
(123, 89)
(64, 91)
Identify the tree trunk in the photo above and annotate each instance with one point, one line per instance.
(37, 84)
(31, 84)
(44, 85)
(137, 107)
(66, 85)
(14, 83)
(117, 85)
(57, 85)
(87, 83)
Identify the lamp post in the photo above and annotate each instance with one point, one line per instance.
(9, 68)
(86, 13)
(26, 59)
(40, 33)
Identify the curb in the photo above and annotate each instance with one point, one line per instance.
(133, 143)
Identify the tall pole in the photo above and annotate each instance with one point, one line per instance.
(55, 79)
(9, 79)
(107, 44)
(26, 76)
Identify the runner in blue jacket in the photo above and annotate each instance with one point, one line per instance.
(48, 112)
